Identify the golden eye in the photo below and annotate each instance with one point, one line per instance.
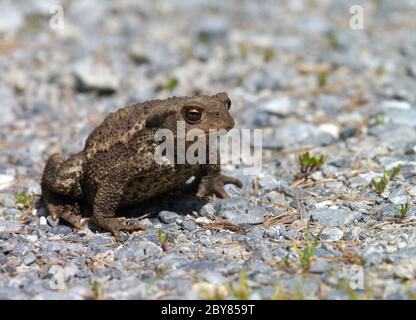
(193, 114)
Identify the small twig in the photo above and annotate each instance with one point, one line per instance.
(313, 183)
(299, 208)
(220, 224)
(281, 219)
(298, 182)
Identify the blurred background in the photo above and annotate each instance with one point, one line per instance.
(277, 60)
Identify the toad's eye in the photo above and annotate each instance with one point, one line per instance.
(192, 114)
(228, 104)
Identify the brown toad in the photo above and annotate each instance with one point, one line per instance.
(118, 168)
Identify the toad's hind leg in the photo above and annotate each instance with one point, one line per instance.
(64, 176)
(61, 188)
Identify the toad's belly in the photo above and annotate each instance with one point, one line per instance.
(146, 187)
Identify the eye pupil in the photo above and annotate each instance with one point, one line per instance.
(193, 114)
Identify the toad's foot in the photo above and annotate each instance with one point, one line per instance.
(115, 225)
(60, 207)
(215, 185)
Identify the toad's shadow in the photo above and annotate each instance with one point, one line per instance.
(177, 201)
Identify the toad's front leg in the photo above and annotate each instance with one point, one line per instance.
(106, 201)
(213, 183)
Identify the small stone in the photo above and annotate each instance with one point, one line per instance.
(275, 197)
(43, 221)
(316, 176)
(275, 232)
(146, 222)
(13, 212)
(348, 132)
(32, 238)
(333, 217)
(393, 133)
(241, 212)
(388, 211)
(280, 106)
(61, 230)
(320, 266)
(267, 182)
(332, 234)
(189, 224)
(211, 30)
(96, 77)
(208, 210)
(202, 220)
(8, 200)
(5, 181)
(411, 69)
(358, 182)
(300, 135)
(213, 277)
(100, 243)
(168, 216)
(150, 249)
(406, 269)
(138, 53)
(373, 255)
(403, 117)
(29, 258)
(399, 196)
(353, 233)
(33, 187)
(116, 274)
(52, 222)
(330, 128)
(9, 226)
(292, 234)
(334, 185)
(396, 104)
(22, 248)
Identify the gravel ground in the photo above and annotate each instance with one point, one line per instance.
(293, 68)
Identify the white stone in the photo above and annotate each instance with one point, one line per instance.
(43, 221)
(202, 220)
(96, 76)
(5, 181)
(32, 238)
(323, 204)
(397, 104)
(279, 105)
(330, 128)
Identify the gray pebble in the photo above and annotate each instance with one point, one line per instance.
(168, 216)
(189, 224)
(333, 217)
